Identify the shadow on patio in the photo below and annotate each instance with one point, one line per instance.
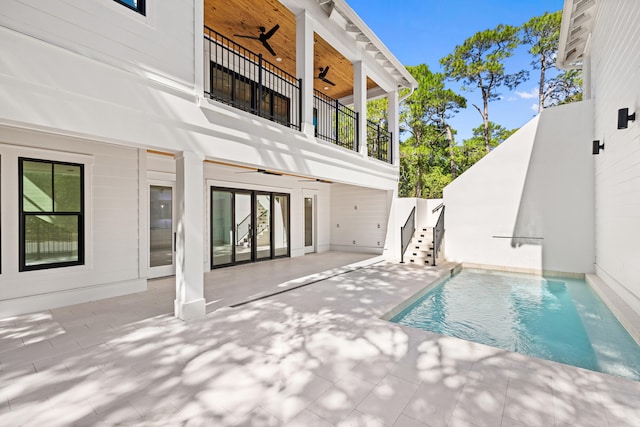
(315, 356)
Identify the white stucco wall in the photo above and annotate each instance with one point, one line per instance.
(615, 68)
(529, 203)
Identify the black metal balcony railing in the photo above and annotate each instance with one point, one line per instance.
(243, 79)
(335, 122)
(379, 142)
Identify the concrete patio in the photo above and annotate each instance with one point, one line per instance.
(316, 355)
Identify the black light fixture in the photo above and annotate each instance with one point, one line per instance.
(597, 147)
(624, 118)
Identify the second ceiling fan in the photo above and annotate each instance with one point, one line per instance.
(322, 75)
(263, 37)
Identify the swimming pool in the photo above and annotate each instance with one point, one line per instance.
(556, 319)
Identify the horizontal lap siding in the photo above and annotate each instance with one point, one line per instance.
(361, 224)
(160, 44)
(616, 84)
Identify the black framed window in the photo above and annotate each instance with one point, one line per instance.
(137, 5)
(51, 219)
(243, 93)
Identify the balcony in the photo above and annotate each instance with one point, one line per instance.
(243, 79)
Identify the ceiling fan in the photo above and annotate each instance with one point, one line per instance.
(263, 37)
(323, 75)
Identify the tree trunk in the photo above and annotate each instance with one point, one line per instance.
(419, 183)
(485, 120)
(541, 85)
(452, 163)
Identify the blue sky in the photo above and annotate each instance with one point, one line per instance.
(423, 31)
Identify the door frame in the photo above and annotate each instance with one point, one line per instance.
(162, 270)
(313, 195)
(254, 224)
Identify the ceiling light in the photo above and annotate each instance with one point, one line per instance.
(279, 59)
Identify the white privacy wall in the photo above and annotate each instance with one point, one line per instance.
(615, 65)
(529, 203)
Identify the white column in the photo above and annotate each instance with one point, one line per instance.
(360, 103)
(304, 69)
(199, 62)
(393, 113)
(189, 303)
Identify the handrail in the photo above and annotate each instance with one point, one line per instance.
(379, 141)
(438, 233)
(437, 208)
(237, 76)
(405, 236)
(335, 122)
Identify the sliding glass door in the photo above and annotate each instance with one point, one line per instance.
(248, 226)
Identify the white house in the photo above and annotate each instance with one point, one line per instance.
(550, 199)
(148, 138)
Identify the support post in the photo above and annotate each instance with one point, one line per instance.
(189, 303)
(304, 69)
(394, 127)
(360, 103)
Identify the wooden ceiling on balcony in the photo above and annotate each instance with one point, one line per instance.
(229, 17)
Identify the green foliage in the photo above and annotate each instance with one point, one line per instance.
(479, 64)
(565, 88)
(424, 117)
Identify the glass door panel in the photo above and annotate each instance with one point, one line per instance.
(280, 225)
(243, 223)
(221, 227)
(263, 226)
(309, 245)
(161, 231)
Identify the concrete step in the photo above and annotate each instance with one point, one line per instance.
(419, 260)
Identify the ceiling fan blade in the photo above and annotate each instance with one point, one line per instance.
(328, 81)
(266, 45)
(246, 37)
(271, 32)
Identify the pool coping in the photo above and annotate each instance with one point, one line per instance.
(455, 269)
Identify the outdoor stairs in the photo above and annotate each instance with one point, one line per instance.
(420, 250)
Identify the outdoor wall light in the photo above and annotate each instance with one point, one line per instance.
(624, 118)
(597, 147)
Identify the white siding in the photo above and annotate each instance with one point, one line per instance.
(159, 45)
(615, 61)
(111, 224)
(358, 218)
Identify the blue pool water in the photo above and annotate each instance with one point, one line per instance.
(556, 319)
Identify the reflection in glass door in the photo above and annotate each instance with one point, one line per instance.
(248, 226)
(221, 227)
(243, 224)
(280, 225)
(161, 231)
(309, 222)
(263, 226)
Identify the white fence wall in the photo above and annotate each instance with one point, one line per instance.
(529, 203)
(615, 63)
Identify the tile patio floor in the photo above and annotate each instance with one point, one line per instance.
(317, 355)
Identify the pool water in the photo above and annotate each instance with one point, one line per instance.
(556, 319)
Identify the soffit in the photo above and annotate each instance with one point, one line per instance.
(578, 19)
(230, 17)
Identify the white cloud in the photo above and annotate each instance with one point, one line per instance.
(534, 108)
(533, 93)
